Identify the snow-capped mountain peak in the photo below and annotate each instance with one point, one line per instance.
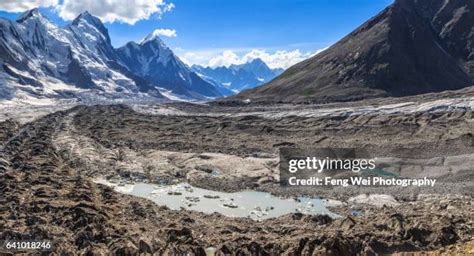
(153, 37)
(146, 54)
(33, 13)
(152, 59)
(36, 55)
(86, 21)
(258, 63)
(238, 77)
(39, 59)
(33, 21)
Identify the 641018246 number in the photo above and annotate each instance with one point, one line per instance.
(24, 245)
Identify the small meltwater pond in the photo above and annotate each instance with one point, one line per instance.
(253, 204)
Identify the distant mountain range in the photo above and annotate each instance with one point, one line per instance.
(154, 61)
(236, 78)
(39, 60)
(411, 47)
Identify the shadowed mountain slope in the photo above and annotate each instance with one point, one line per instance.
(409, 48)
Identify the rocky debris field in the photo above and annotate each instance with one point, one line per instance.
(8, 129)
(47, 167)
(244, 147)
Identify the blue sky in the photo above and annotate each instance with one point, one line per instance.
(222, 32)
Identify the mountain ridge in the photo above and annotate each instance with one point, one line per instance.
(154, 61)
(40, 60)
(238, 77)
(408, 48)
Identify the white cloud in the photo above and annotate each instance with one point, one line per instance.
(129, 11)
(227, 58)
(24, 5)
(190, 58)
(164, 32)
(277, 59)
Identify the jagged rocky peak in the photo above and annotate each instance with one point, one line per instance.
(34, 16)
(153, 37)
(151, 47)
(37, 33)
(259, 66)
(30, 14)
(257, 62)
(145, 51)
(152, 59)
(90, 19)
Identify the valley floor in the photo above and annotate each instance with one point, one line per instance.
(48, 165)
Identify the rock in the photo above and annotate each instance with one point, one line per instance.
(347, 223)
(125, 249)
(211, 196)
(207, 168)
(296, 216)
(320, 219)
(230, 205)
(396, 222)
(223, 250)
(144, 247)
(187, 220)
(179, 234)
(418, 234)
(446, 236)
(340, 247)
